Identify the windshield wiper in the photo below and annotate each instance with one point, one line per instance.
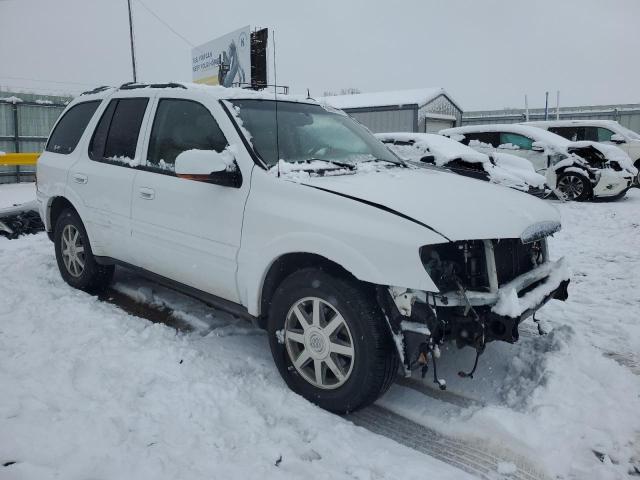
(348, 166)
(399, 162)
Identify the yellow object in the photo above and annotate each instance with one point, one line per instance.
(212, 80)
(19, 158)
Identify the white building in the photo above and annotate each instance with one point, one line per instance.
(420, 110)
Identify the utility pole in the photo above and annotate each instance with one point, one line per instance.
(558, 105)
(133, 55)
(546, 106)
(526, 108)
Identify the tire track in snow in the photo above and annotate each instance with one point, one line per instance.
(471, 457)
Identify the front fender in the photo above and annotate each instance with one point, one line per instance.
(253, 266)
(283, 217)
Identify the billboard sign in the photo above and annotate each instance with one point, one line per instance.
(223, 61)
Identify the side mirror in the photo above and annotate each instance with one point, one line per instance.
(428, 159)
(208, 166)
(617, 138)
(537, 147)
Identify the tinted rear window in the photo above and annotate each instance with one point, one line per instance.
(66, 135)
(116, 135)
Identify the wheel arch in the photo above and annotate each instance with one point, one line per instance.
(55, 208)
(285, 265)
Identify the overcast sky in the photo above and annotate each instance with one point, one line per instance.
(487, 53)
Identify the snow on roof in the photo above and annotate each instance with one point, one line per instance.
(537, 134)
(12, 99)
(418, 97)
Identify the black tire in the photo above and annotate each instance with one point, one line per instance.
(578, 181)
(375, 361)
(92, 277)
(636, 183)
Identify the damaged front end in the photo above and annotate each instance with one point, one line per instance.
(486, 289)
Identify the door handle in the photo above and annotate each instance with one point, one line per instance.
(80, 178)
(147, 193)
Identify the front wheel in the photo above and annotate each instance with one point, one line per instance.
(574, 186)
(330, 342)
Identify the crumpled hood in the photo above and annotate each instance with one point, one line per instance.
(457, 207)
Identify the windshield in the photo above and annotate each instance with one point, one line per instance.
(307, 132)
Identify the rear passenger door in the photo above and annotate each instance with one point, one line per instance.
(188, 230)
(103, 177)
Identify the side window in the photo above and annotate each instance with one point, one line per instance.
(515, 141)
(488, 138)
(116, 136)
(604, 135)
(181, 125)
(570, 133)
(66, 135)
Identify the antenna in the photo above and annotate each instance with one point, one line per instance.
(275, 97)
(133, 55)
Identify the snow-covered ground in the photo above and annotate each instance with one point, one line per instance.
(16, 193)
(89, 391)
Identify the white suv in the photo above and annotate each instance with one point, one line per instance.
(293, 215)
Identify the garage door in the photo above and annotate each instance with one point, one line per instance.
(434, 125)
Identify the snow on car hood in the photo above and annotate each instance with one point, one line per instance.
(458, 208)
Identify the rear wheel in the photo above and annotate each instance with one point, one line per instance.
(637, 165)
(329, 341)
(574, 186)
(76, 262)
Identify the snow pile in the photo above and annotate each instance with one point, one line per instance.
(44, 102)
(442, 148)
(519, 167)
(89, 391)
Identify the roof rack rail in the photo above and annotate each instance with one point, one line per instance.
(134, 85)
(96, 90)
(261, 86)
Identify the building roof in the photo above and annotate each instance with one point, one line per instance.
(420, 97)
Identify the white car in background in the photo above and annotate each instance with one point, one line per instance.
(576, 170)
(496, 167)
(603, 131)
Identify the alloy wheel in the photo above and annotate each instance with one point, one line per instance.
(572, 186)
(319, 343)
(73, 250)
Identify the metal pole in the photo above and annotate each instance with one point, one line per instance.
(526, 108)
(546, 105)
(16, 138)
(558, 105)
(133, 55)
